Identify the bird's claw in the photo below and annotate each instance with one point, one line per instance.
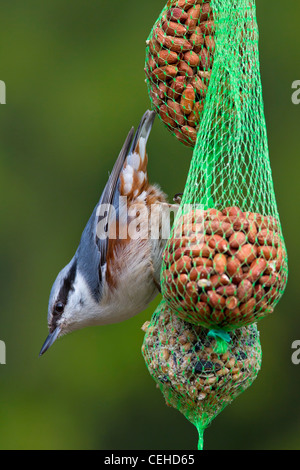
(177, 198)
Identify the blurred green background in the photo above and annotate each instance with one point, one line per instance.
(75, 84)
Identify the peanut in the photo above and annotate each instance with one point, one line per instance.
(173, 28)
(187, 100)
(193, 18)
(177, 14)
(167, 58)
(175, 112)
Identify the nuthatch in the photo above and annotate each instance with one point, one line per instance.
(112, 278)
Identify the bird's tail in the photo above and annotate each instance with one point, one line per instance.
(134, 177)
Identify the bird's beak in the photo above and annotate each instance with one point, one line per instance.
(50, 340)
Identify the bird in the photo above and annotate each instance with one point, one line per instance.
(114, 274)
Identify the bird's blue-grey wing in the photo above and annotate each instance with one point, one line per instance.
(110, 197)
(91, 252)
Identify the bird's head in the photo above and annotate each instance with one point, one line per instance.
(71, 304)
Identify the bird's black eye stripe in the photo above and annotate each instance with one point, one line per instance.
(67, 285)
(65, 289)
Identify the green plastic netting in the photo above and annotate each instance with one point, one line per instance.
(225, 266)
(192, 377)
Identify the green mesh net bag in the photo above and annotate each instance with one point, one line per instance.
(179, 62)
(193, 378)
(225, 265)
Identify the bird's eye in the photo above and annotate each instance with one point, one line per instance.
(58, 308)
